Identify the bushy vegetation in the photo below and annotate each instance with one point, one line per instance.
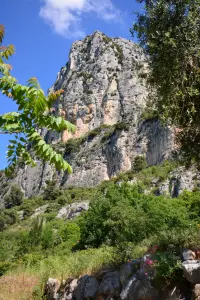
(122, 223)
(14, 197)
(147, 174)
(139, 163)
(106, 131)
(125, 214)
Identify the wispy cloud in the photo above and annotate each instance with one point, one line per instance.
(65, 16)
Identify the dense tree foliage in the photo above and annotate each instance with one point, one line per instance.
(125, 214)
(169, 31)
(14, 197)
(122, 220)
(33, 114)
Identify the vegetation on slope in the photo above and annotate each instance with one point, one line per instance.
(122, 223)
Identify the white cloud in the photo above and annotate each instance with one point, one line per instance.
(65, 16)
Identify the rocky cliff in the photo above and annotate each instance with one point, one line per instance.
(105, 93)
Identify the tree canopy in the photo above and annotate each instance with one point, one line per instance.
(169, 31)
(33, 114)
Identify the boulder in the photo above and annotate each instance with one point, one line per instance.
(189, 255)
(91, 288)
(196, 292)
(39, 211)
(72, 210)
(68, 289)
(125, 291)
(51, 289)
(20, 214)
(110, 284)
(191, 269)
(142, 290)
(81, 287)
(127, 270)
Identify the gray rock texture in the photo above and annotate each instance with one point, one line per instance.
(39, 211)
(110, 284)
(196, 292)
(121, 284)
(188, 255)
(179, 180)
(127, 270)
(104, 83)
(51, 289)
(191, 269)
(72, 210)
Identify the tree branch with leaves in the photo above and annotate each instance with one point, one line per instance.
(33, 114)
(169, 31)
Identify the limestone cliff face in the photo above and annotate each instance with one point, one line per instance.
(104, 83)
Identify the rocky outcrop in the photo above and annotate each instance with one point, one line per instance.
(102, 83)
(191, 270)
(129, 282)
(72, 210)
(191, 266)
(179, 180)
(134, 280)
(39, 211)
(105, 88)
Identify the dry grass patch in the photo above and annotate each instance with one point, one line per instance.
(17, 287)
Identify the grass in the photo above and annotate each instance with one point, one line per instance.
(18, 286)
(27, 282)
(74, 264)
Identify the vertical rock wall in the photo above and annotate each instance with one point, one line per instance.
(104, 84)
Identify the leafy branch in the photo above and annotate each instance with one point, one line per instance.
(33, 113)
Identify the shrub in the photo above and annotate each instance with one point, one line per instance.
(49, 237)
(4, 266)
(106, 39)
(73, 145)
(62, 200)
(70, 233)
(14, 198)
(122, 125)
(29, 205)
(139, 163)
(169, 265)
(124, 214)
(31, 259)
(51, 191)
(8, 217)
(35, 234)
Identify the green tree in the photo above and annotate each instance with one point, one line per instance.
(34, 113)
(14, 198)
(169, 31)
(51, 191)
(139, 163)
(123, 214)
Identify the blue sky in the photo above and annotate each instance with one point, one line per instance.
(43, 31)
